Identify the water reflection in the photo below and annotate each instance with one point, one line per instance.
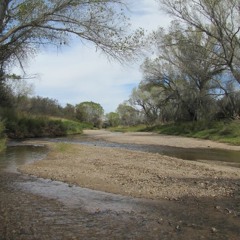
(15, 156)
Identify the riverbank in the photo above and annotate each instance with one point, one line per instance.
(149, 138)
(137, 174)
(220, 131)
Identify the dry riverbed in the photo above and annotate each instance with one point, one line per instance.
(137, 174)
(191, 200)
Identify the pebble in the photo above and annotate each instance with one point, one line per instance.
(178, 228)
(213, 230)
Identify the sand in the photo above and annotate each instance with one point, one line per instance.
(137, 174)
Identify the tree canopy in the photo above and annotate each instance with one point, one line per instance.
(194, 73)
(90, 112)
(219, 20)
(26, 25)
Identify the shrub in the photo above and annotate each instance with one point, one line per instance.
(22, 126)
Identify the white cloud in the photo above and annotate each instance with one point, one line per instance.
(79, 73)
(147, 14)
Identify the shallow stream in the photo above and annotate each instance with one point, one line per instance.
(34, 208)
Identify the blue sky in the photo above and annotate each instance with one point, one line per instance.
(78, 73)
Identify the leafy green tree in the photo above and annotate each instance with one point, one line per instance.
(129, 116)
(37, 106)
(113, 119)
(90, 112)
(69, 111)
(45, 106)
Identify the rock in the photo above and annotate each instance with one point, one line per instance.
(228, 210)
(160, 220)
(217, 207)
(213, 230)
(178, 228)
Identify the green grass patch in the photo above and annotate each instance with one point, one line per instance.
(71, 126)
(74, 127)
(138, 128)
(227, 132)
(63, 147)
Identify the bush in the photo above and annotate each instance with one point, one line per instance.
(22, 126)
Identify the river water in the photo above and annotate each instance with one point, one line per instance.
(222, 156)
(34, 208)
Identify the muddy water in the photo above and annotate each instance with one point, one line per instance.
(33, 208)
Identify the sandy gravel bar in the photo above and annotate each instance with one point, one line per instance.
(157, 139)
(133, 173)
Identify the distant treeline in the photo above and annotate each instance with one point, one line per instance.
(44, 106)
(25, 117)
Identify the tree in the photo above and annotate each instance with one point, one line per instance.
(26, 25)
(44, 106)
(148, 100)
(173, 91)
(218, 19)
(6, 96)
(69, 111)
(229, 103)
(113, 119)
(187, 70)
(90, 112)
(129, 116)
